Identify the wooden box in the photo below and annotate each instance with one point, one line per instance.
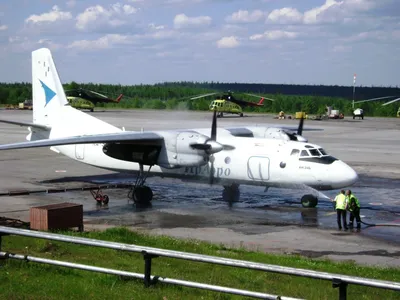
(57, 216)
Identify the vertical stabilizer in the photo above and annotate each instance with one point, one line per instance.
(47, 91)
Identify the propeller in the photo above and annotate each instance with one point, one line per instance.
(211, 146)
(300, 128)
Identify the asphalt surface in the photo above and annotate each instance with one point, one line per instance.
(273, 221)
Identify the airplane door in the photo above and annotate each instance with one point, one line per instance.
(258, 168)
(80, 151)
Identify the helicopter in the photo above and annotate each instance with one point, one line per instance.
(227, 103)
(85, 99)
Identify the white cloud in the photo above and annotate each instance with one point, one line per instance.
(319, 14)
(156, 27)
(244, 16)
(98, 15)
(3, 27)
(286, 15)
(54, 15)
(332, 11)
(228, 42)
(183, 21)
(274, 35)
(105, 42)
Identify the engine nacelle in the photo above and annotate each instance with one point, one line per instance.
(276, 133)
(178, 153)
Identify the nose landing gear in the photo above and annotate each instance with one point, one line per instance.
(309, 201)
(231, 193)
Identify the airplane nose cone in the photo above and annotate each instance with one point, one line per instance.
(344, 175)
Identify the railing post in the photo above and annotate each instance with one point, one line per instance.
(342, 285)
(147, 267)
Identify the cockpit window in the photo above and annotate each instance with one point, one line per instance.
(323, 152)
(294, 152)
(304, 153)
(314, 152)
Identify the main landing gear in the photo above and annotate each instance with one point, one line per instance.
(140, 193)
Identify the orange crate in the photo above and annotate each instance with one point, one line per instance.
(56, 216)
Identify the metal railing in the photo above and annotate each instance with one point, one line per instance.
(338, 281)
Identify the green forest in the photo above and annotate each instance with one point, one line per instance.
(312, 99)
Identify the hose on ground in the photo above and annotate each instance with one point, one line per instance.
(382, 224)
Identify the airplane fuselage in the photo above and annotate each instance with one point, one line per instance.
(254, 161)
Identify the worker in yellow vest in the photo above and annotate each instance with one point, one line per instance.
(354, 208)
(341, 206)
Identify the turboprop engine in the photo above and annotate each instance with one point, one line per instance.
(176, 150)
(187, 149)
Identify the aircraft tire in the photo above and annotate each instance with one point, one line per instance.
(142, 195)
(309, 201)
(230, 194)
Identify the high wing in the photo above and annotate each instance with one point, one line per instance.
(247, 132)
(121, 137)
(26, 124)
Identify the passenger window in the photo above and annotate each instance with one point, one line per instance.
(314, 152)
(294, 152)
(304, 153)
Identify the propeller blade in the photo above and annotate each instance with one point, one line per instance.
(300, 128)
(257, 96)
(214, 126)
(211, 178)
(202, 96)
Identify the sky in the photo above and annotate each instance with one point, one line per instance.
(148, 41)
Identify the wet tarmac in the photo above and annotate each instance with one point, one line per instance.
(278, 207)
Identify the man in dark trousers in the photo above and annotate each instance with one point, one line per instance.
(341, 206)
(354, 208)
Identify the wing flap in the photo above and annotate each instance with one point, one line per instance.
(119, 137)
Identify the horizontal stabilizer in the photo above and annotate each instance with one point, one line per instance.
(27, 124)
(119, 137)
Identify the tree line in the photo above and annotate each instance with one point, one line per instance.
(175, 95)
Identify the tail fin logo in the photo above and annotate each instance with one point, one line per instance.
(49, 93)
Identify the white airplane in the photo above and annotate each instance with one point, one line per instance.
(272, 157)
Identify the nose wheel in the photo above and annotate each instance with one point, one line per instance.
(309, 201)
(231, 193)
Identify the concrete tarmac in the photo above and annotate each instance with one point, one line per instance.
(271, 222)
